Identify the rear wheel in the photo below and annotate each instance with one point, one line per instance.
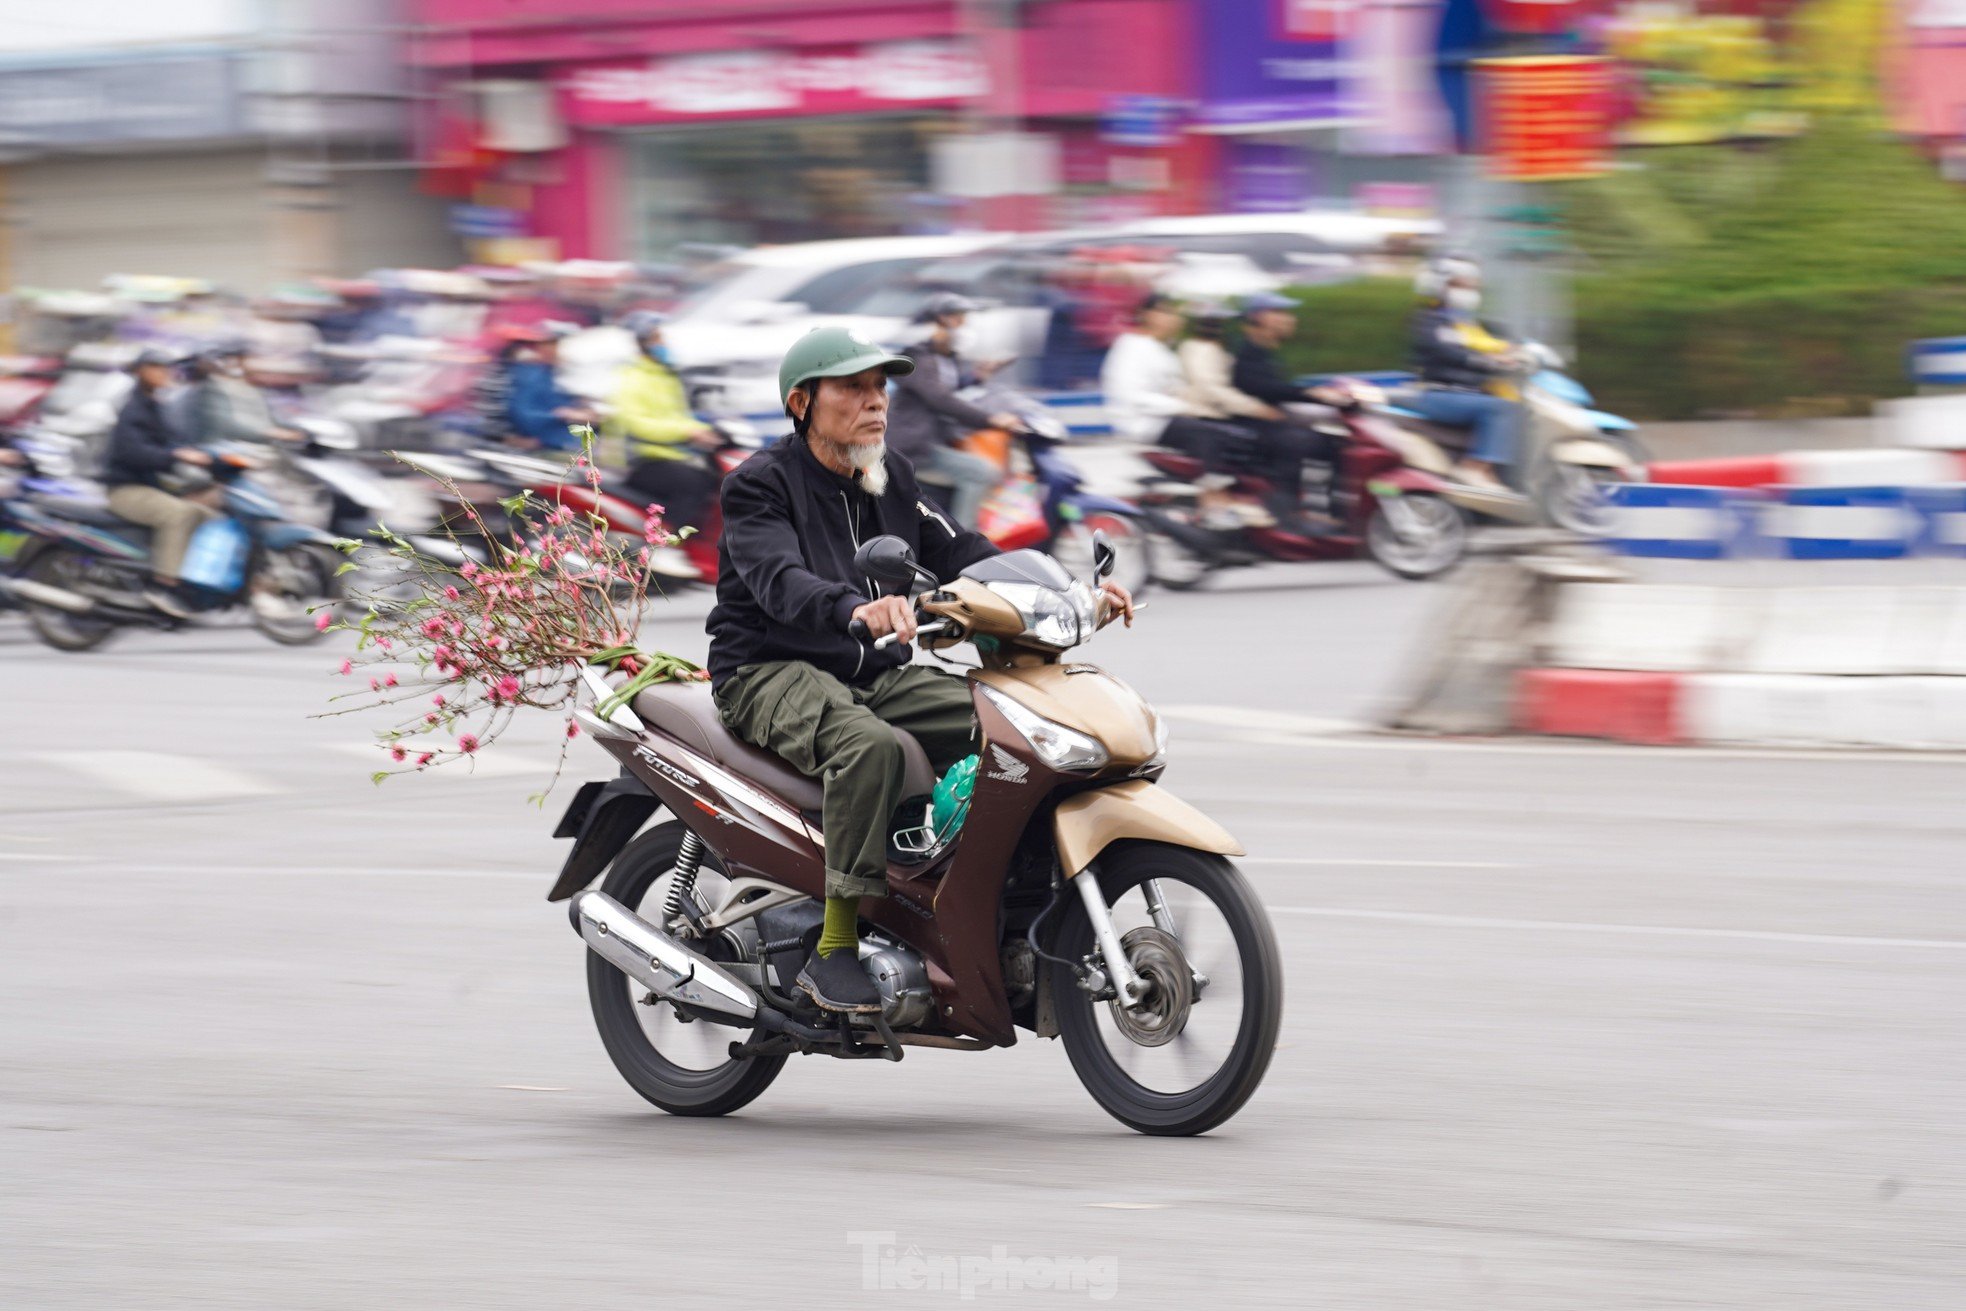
(67, 569)
(684, 1067)
(1417, 535)
(1195, 1049)
(1177, 565)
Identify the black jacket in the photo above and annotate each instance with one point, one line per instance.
(1441, 357)
(141, 444)
(1259, 372)
(926, 412)
(786, 587)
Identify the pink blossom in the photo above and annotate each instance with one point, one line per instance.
(441, 654)
(573, 730)
(384, 643)
(389, 680)
(424, 759)
(450, 594)
(433, 627)
(347, 666)
(375, 685)
(470, 568)
(507, 689)
(438, 701)
(655, 511)
(322, 620)
(430, 718)
(467, 743)
(397, 753)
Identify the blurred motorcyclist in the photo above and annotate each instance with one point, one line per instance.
(1147, 400)
(540, 410)
(143, 449)
(1269, 320)
(1462, 359)
(665, 439)
(224, 406)
(927, 418)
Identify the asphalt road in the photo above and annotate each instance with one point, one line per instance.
(1566, 1026)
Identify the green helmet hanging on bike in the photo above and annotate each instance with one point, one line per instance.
(834, 353)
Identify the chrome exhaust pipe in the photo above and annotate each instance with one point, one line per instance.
(657, 961)
(58, 598)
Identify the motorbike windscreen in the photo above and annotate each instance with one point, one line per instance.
(1021, 567)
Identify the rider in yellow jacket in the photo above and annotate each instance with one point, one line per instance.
(666, 442)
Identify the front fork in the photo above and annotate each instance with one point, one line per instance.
(1119, 969)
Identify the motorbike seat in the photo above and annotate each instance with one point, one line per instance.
(88, 512)
(1175, 465)
(686, 712)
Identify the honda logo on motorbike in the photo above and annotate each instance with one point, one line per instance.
(1009, 768)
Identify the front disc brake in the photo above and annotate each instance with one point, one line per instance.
(1162, 1013)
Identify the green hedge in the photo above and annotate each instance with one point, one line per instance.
(1722, 280)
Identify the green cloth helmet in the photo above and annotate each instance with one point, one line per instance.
(950, 804)
(834, 353)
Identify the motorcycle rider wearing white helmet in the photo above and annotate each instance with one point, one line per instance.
(1462, 359)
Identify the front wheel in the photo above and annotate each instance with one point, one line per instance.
(682, 1066)
(1576, 497)
(291, 582)
(1193, 1051)
(1416, 534)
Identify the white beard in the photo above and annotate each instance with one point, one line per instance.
(871, 461)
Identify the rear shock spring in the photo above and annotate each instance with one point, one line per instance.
(689, 859)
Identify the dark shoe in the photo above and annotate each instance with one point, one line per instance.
(838, 983)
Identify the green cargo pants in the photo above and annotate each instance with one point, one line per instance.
(839, 735)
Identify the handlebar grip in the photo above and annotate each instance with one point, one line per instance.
(857, 629)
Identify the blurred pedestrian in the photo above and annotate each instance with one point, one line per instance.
(927, 420)
(668, 446)
(542, 412)
(144, 448)
(1463, 362)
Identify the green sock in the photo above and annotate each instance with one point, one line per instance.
(841, 931)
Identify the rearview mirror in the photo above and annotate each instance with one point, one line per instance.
(887, 558)
(1104, 555)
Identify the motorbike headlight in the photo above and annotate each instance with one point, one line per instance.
(1056, 619)
(1058, 746)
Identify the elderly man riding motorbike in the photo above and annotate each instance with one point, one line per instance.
(789, 666)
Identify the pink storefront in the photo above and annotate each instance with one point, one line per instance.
(619, 128)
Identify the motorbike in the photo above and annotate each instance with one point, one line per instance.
(1570, 455)
(83, 571)
(1043, 502)
(1077, 899)
(1404, 515)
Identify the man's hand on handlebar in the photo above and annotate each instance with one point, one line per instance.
(888, 614)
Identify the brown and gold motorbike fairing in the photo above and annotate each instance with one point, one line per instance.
(1023, 816)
